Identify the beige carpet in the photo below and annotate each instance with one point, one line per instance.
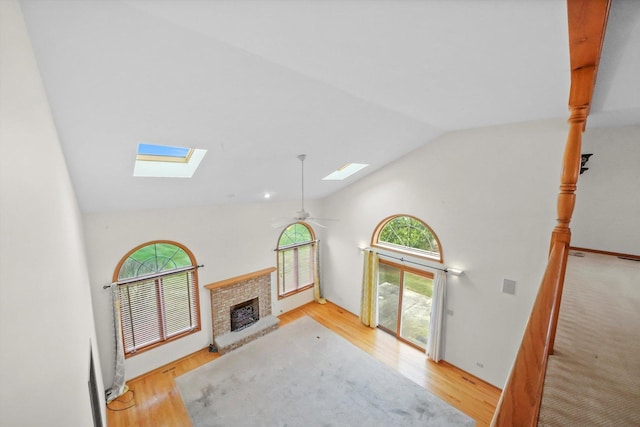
(593, 378)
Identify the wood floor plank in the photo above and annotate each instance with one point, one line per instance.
(154, 399)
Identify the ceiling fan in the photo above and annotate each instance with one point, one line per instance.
(302, 214)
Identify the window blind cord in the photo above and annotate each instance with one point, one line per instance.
(119, 400)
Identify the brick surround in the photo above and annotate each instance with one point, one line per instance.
(228, 293)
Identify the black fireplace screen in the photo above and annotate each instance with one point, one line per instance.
(244, 314)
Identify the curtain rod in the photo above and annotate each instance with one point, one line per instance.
(166, 273)
(454, 271)
(295, 245)
(411, 262)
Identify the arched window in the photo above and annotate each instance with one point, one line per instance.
(296, 259)
(405, 292)
(158, 289)
(408, 234)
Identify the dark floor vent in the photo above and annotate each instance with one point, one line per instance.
(578, 254)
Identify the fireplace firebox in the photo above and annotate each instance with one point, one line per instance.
(244, 314)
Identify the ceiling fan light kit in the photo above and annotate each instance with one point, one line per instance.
(302, 215)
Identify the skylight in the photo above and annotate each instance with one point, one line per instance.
(167, 161)
(163, 153)
(345, 171)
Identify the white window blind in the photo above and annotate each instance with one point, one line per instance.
(158, 307)
(296, 268)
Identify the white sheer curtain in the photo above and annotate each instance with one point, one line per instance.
(369, 303)
(119, 387)
(434, 342)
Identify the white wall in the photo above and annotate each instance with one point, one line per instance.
(229, 241)
(46, 321)
(607, 212)
(490, 195)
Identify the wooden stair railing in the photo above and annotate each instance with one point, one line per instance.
(519, 404)
(520, 400)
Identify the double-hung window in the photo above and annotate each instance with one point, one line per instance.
(158, 290)
(296, 259)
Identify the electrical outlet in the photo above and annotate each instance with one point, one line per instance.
(450, 312)
(480, 365)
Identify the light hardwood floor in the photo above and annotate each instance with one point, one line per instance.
(155, 399)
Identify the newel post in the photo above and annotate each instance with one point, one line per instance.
(567, 200)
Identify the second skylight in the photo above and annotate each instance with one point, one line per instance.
(345, 171)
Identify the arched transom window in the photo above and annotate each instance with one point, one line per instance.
(296, 259)
(158, 289)
(405, 233)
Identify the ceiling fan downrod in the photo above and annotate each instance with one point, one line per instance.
(301, 157)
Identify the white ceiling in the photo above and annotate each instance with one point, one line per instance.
(258, 82)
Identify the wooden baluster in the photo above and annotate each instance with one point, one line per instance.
(570, 172)
(566, 203)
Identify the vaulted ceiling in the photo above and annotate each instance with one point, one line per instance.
(258, 82)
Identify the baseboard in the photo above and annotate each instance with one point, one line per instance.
(468, 377)
(168, 366)
(596, 251)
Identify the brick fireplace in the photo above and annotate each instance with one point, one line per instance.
(248, 290)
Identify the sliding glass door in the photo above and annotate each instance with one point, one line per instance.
(404, 302)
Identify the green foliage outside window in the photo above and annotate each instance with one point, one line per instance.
(154, 258)
(293, 234)
(389, 274)
(408, 232)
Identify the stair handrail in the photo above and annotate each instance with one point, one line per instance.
(519, 403)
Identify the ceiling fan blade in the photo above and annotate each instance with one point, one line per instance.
(314, 222)
(325, 219)
(279, 223)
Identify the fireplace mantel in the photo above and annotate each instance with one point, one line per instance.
(228, 293)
